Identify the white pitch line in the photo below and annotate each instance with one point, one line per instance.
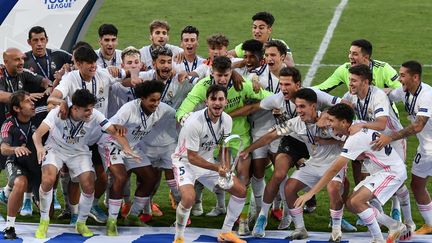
(324, 44)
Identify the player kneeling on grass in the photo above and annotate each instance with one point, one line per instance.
(17, 145)
(193, 160)
(139, 117)
(389, 173)
(68, 144)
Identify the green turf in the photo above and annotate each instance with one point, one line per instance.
(398, 30)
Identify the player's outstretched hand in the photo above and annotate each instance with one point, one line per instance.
(381, 141)
(22, 151)
(300, 202)
(41, 152)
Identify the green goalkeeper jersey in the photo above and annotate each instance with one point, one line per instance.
(384, 76)
(236, 99)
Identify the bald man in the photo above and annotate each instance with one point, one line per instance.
(14, 77)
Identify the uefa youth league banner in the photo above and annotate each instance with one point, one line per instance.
(65, 21)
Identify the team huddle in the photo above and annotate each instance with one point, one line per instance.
(86, 121)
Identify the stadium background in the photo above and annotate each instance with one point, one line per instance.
(398, 30)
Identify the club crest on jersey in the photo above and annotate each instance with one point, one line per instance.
(101, 90)
(170, 94)
(53, 66)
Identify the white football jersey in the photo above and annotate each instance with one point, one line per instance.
(359, 144)
(146, 57)
(99, 86)
(186, 66)
(376, 104)
(104, 63)
(68, 136)
(418, 104)
(201, 135)
(137, 123)
(262, 120)
(118, 96)
(174, 92)
(320, 155)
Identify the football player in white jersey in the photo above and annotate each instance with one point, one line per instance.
(253, 62)
(194, 160)
(159, 30)
(262, 120)
(68, 144)
(416, 96)
(98, 80)
(108, 55)
(322, 148)
(159, 145)
(175, 90)
(372, 106)
(290, 150)
(188, 59)
(119, 94)
(139, 117)
(388, 173)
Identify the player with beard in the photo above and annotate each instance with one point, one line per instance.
(194, 160)
(159, 31)
(108, 55)
(416, 96)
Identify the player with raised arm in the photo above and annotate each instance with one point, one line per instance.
(68, 144)
(193, 159)
(388, 173)
(139, 117)
(159, 30)
(383, 76)
(372, 106)
(322, 148)
(416, 96)
(262, 27)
